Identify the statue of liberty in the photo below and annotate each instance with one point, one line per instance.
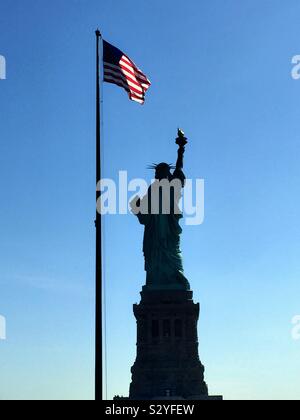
(159, 212)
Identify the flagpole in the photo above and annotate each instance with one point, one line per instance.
(99, 286)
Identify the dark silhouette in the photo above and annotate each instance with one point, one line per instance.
(167, 365)
(160, 214)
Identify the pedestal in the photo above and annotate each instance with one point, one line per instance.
(167, 364)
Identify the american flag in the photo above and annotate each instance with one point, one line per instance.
(121, 71)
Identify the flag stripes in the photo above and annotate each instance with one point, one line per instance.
(121, 71)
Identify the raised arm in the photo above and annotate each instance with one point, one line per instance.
(179, 163)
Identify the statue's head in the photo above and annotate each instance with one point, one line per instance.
(162, 171)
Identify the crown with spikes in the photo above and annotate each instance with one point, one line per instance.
(162, 165)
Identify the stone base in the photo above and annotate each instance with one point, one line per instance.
(176, 398)
(167, 364)
(197, 398)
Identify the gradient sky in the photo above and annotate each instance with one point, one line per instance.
(222, 71)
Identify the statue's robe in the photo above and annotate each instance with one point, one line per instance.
(163, 259)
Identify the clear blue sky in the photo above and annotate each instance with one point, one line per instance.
(222, 71)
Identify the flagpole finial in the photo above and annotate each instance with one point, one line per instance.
(98, 33)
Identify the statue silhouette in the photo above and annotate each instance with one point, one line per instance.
(159, 212)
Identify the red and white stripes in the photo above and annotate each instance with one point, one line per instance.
(128, 76)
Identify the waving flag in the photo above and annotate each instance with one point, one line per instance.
(120, 70)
